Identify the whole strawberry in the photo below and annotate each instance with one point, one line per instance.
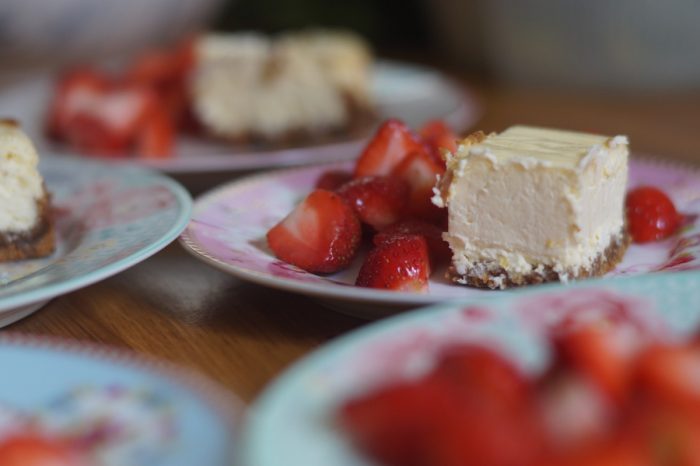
(651, 215)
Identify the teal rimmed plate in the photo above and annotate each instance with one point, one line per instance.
(292, 423)
(108, 218)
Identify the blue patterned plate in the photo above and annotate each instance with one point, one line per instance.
(108, 218)
(292, 423)
(116, 408)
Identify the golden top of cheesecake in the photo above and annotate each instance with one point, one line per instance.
(566, 149)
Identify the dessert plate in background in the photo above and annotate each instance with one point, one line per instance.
(296, 413)
(116, 406)
(108, 218)
(229, 224)
(414, 92)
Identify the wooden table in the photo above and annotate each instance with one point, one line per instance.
(177, 308)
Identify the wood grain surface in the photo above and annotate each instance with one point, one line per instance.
(241, 335)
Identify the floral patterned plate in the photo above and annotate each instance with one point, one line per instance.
(296, 413)
(108, 218)
(229, 224)
(116, 408)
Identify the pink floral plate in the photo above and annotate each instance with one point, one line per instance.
(229, 224)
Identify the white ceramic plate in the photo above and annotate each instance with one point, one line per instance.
(297, 412)
(229, 224)
(414, 92)
(108, 218)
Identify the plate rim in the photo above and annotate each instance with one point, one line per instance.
(349, 293)
(73, 283)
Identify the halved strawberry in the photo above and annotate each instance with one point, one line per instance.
(392, 423)
(401, 265)
(439, 248)
(96, 115)
(73, 86)
(333, 179)
(320, 235)
(573, 410)
(379, 201)
(34, 450)
(671, 374)
(438, 137)
(156, 136)
(420, 171)
(392, 142)
(484, 376)
(604, 352)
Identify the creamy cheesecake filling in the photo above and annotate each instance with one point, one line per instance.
(534, 201)
(21, 188)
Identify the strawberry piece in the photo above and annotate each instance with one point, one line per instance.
(670, 375)
(379, 201)
(392, 423)
(469, 436)
(438, 137)
(166, 73)
(573, 410)
(484, 376)
(420, 171)
(33, 450)
(96, 115)
(439, 248)
(321, 235)
(156, 137)
(401, 265)
(333, 179)
(389, 146)
(72, 86)
(651, 215)
(604, 353)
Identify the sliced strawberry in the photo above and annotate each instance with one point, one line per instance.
(468, 435)
(98, 116)
(573, 410)
(321, 235)
(420, 171)
(606, 453)
(671, 374)
(389, 146)
(379, 201)
(71, 86)
(485, 378)
(156, 136)
(33, 450)
(162, 68)
(438, 137)
(604, 352)
(391, 424)
(400, 265)
(333, 179)
(439, 249)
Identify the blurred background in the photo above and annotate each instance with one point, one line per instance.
(625, 66)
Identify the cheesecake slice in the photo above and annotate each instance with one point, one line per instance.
(532, 205)
(291, 88)
(26, 227)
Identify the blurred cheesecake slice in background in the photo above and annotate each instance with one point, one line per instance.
(26, 227)
(296, 87)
